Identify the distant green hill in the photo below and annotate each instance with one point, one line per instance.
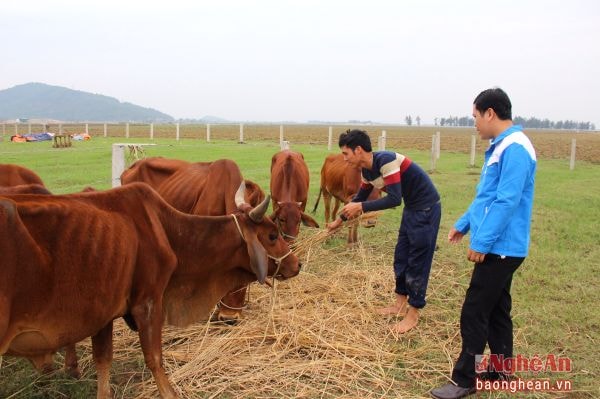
(42, 101)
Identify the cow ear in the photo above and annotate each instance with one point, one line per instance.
(308, 221)
(258, 259)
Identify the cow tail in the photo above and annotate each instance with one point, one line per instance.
(318, 198)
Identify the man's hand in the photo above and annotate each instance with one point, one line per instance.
(352, 209)
(474, 256)
(336, 224)
(454, 236)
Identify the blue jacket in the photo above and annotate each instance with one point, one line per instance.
(500, 215)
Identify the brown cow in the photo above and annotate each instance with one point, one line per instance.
(14, 175)
(199, 188)
(15, 179)
(340, 181)
(289, 188)
(122, 253)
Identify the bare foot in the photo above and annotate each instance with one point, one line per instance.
(408, 323)
(397, 309)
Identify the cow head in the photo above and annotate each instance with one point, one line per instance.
(288, 216)
(269, 253)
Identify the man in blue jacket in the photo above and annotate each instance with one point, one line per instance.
(499, 220)
(400, 178)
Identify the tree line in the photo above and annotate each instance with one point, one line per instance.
(532, 122)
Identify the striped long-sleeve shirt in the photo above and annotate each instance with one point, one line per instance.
(400, 178)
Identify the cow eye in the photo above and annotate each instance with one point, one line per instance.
(273, 236)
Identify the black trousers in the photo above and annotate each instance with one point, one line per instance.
(485, 316)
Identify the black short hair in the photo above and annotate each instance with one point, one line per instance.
(496, 99)
(353, 138)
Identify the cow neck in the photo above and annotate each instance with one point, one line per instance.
(203, 237)
(285, 190)
(210, 254)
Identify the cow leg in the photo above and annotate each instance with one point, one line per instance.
(148, 318)
(102, 349)
(336, 207)
(327, 204)
(352, 235)
(43, 363)
(71, 361)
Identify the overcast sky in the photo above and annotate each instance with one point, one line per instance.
(312, 60)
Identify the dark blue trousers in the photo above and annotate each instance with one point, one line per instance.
(414, 252)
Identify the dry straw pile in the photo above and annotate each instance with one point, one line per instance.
(314, 336)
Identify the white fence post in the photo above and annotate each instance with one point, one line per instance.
(127, 130)
(177, 132)
(284, 145)
(437, 145)
(241, 133)
(280, 134)
(16, 129)
(152, 131)
(87, 128)
(473, 147)
(208, 132)
(330, 138)
(381, 141)
(105, 130)
(573, 147)
(118, 163)
(433, 157)
(118, 158)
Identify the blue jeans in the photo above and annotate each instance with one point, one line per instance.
(414, 252)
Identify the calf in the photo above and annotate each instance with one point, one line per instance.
(341, 181)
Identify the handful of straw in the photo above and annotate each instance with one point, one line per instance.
(304, 244)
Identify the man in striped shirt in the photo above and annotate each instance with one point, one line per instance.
(400, 178)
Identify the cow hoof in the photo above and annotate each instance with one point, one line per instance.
(229, 322)
(47, 369)
(73, 373)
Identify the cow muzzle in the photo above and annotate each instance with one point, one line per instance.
(228, 316)
(288, 266)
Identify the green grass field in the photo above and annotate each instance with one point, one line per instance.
(553, 292)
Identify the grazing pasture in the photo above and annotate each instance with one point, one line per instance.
(317, 335)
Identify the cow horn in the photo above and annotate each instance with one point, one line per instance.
(258, 212)
(239, 195)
